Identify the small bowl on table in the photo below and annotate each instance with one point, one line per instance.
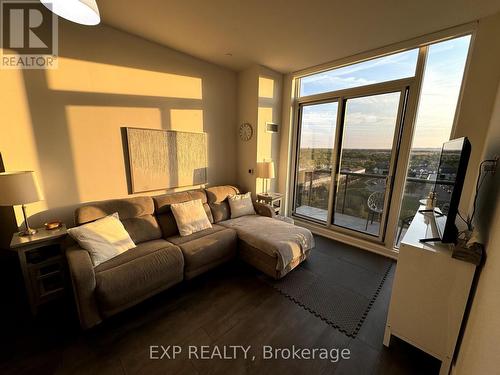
(52, 225)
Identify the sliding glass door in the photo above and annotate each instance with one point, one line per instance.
(368, 145)
(346, 156)
(315, 159)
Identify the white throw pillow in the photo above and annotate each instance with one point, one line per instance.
(241, 205)
(104, 238)
(190, 217)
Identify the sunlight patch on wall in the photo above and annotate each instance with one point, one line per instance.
(84, 76)
(96, 141)
(187, 120)
(264, 140)
(266, 87)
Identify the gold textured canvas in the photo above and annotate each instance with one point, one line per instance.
(163, 159)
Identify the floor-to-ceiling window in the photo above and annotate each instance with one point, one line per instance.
(441, 84)
(350, 124)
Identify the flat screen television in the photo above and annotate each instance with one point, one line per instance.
(448, 186)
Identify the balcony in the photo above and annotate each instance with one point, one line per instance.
(342, 220)
(353, 190)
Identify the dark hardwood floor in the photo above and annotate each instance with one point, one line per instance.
(228, 306)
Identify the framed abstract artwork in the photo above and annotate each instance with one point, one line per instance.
(164, 159)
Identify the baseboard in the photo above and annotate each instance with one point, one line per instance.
(357, 242)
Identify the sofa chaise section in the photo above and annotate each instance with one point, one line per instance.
(272, 246)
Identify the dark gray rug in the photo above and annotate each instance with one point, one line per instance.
(338, 285)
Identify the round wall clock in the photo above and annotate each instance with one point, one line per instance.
(246, 131)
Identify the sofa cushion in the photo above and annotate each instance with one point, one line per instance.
(217, 200)
(206, 249)
(104, 238)
(164, 213)
(137, 274)
(241, 205)
(178, 239)
(136, 215)
(274, 237)
(190, 217)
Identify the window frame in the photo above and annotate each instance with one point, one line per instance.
(414, 84)
(402, 86)
(349, 89)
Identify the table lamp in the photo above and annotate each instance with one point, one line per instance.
(265, 170)
(19, 188)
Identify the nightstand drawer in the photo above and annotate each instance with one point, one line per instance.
(48, 279)
(40, 255)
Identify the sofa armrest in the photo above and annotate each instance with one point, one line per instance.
(263, 209)
(83, 280)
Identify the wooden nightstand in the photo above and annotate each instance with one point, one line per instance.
(273, 199)
(43, 265)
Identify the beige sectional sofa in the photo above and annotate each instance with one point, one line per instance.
(163, 258)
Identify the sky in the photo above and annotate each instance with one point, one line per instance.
(370, 121)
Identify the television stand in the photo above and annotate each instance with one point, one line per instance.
(429, 293)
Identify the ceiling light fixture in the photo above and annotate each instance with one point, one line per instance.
(84, 12)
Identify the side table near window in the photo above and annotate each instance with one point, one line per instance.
(43, 265)
(273, 199)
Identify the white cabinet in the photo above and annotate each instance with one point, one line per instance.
(429, 294)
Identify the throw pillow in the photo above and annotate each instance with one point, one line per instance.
(241, 205)
(190, 217)
(104, 238)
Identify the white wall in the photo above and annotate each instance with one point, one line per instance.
(286, 139)
(480, 345)
(65, 124)
(259, 102)
(248, 89)
(269, 110)
(478, 98)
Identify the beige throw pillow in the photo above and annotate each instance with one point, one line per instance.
(104, 238)
(190, 217)
(241, 205)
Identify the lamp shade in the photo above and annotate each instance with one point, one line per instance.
(18, 188)
(84, 12)
(265, 169)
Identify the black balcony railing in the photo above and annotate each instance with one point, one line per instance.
(344, 178)
(314, 189)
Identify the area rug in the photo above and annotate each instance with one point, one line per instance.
(336, 286)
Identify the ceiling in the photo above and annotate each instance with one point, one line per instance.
(285, 35)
